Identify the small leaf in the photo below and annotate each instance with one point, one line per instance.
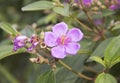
(98, 59)
(8, 28)
(64, 11)
(7, 50)
(47, 77)
(38, 5)
(112, 52)
(105, 78)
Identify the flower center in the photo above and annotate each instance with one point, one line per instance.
(63, 40)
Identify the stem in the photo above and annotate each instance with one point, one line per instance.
(90, 69)
(84, 52)
(77, 73)
(83, 25)
(90, 19)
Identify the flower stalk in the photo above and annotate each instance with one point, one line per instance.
(80, 75)
(90, 19)
(83, 25)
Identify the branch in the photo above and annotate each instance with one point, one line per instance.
(77, 73)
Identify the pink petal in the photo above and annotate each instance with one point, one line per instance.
(60, 29)
(72, 48)
(75, 34)
(21, 37)
(58, 52)
(50, 39)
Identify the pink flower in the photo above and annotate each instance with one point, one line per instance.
(19, 42)
(34, 42)
(62, 40)
(114, 7)
(87, 3)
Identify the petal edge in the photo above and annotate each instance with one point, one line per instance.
(75, 34)
(58, 52)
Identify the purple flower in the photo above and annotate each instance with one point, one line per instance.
(87, 2)
(114, 7)
(62, 40)
(34, 42)
(19, 42)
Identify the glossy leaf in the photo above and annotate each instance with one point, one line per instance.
(98, 59)
(7, 50)
(8, 28)
(64, 11)
(112, 52)
(38, 5)
(105, 78)
(47, 77)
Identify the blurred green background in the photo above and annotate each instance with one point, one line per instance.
(17, 68)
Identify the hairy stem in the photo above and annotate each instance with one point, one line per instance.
(72, 70)
(80, 23)
(90, 19)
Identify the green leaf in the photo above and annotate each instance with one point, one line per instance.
(107, 12)
(8, 28)
(38, 5)
(104, 13)
(64, 11)
(100, 50)
(8, 75)
(116, 27)
(47, 77)
(98, 59)
(77, 63)
(105, 78)
(7, 50)
(112, 52)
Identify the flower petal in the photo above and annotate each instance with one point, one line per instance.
(60, 29)
(21, 37)
(75, 34)
(58, 52)
(19, 42)
(72, 48)
(50, 39)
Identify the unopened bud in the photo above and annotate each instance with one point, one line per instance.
(33, 60)
(99, 3)
(39, 60)
(103, 6)
(34, 25)
(95, 8)
(42, 34)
